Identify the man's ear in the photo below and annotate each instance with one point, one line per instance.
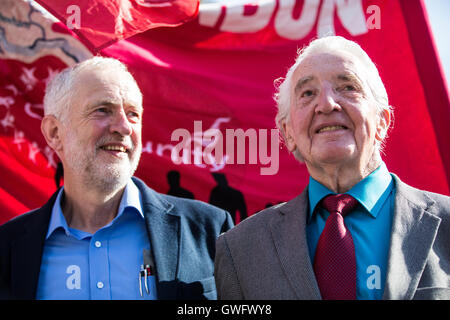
(288, 135)
(383, 125)
(51, 129)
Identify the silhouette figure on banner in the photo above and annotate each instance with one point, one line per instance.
(173, 178)
(227, 198)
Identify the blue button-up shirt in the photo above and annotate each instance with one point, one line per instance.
(369, 224)
(100, 266)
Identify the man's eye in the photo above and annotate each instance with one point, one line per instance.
(307, 93)
(349, 88)
(133, 114)
(101, 110)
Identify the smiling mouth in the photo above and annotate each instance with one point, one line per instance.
(331, 128)
(114, 148)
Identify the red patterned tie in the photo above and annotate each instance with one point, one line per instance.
(334, 263)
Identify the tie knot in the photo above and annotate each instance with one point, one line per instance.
(341, 203)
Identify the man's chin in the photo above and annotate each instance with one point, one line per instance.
(335, 156)
(110, 177)
(110, 183)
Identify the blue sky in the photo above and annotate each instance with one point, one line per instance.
(438, 12)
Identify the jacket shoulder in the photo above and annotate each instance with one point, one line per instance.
(198, 212)
(441, 201)
(16, 224)
(192, 207)
(253, 226)
(36, 220)
(435, 203)
(194, 211)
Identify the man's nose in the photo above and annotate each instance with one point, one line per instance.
(120, 123)
(327, 101)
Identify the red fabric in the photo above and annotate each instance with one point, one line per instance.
(100, 23)
(335, 262)
(26, 162)
(211, 71)
(431, 73)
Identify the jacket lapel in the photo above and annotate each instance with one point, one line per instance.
(26, 253)
(414, 229)
(164, 235)
(288, 228)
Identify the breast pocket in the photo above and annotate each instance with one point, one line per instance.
(204, 289)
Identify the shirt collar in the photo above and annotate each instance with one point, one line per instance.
(131, 198)
(57, 219)
(370, 192)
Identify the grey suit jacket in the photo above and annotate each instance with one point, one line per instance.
(266, 256)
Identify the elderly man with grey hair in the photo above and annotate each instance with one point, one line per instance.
(356, 231)
(105, 234)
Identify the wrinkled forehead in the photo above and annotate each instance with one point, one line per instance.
(116, 86)
(329, 65)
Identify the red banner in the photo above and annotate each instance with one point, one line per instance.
(100, 23)
(208, 87)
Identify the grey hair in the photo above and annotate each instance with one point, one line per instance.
(59, 92)
(331, 44)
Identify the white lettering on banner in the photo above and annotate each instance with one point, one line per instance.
(148, 147)
(7, 121)
(7, 101)
(28, 78)
(206, 148)
(31, 113)
(33, 150)
(19, 139)
(350, 13)
(199, 139)
(12, 88)
(295, 29)
(213, 141)
(236, 21)
(161, 147)
(51, 74)
(198, 142)
(74, 280)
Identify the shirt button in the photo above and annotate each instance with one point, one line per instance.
(99, 284)
(98, 244)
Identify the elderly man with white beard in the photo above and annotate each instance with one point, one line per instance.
(105, 234)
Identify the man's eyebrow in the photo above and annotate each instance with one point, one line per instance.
(349, 77)
(302, 82)
(112, 103)
(103, 103)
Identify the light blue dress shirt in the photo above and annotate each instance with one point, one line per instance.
(100, 266)
(370, 226)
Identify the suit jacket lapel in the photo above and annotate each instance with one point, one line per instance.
(414, 229)
(164, 236)
(26, 253)
(288, 228)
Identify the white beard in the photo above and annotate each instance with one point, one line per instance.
(94, 173)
